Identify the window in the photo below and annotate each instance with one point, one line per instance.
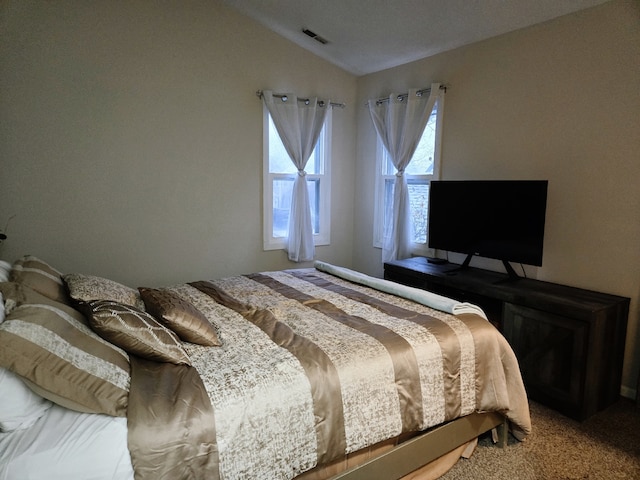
(279, 174)
(423, 168)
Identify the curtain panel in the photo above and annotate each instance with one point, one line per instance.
(299, 124)
(400, 122)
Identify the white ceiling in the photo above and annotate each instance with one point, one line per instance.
(366, 36)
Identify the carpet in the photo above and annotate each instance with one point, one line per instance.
(605, 446)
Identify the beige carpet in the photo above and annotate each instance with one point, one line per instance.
(605, 446)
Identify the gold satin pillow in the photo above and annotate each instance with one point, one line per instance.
(179, 315)
(40, 276)
(135, 331)
(50, 345)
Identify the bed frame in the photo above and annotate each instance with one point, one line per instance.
(425, 448)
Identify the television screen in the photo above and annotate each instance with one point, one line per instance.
(500, 219)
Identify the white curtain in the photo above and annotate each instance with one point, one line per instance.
(400, 122)
(299, 124)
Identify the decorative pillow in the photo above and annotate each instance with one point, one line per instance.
(52, 348)
(135, 331)
(5, 269)
(40, 276)
(179, 315)
(85, 288)
(19, 406)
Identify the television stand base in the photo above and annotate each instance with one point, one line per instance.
(512, 276)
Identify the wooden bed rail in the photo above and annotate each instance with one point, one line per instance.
(418, 451)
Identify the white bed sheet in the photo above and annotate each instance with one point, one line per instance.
(65, 445)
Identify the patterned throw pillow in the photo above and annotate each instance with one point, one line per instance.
(40, 276)
(5, 270)
(135, 331)
(85, 288)
(179, 315)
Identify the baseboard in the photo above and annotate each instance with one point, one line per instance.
(628, 392)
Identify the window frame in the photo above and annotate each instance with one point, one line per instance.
(381, 177)
(323, 237)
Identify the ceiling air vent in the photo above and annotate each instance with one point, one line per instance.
(315, 36)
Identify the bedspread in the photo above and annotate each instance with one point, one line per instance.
(313, 367)
(170, 423)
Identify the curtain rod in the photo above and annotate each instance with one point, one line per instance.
(404, 96)
(305, 100)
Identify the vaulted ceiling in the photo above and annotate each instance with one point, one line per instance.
(365, 36)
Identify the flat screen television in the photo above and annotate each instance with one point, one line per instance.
(499, 219)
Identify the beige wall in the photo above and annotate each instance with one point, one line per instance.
(131, 137)
(131, 145)
(558, 101)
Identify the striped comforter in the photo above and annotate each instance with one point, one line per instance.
(313, 366)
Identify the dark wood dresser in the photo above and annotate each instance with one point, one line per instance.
(569, 342)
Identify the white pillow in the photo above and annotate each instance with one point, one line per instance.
(1, 308)
(19, 406)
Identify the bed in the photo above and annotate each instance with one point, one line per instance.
(307, 373)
